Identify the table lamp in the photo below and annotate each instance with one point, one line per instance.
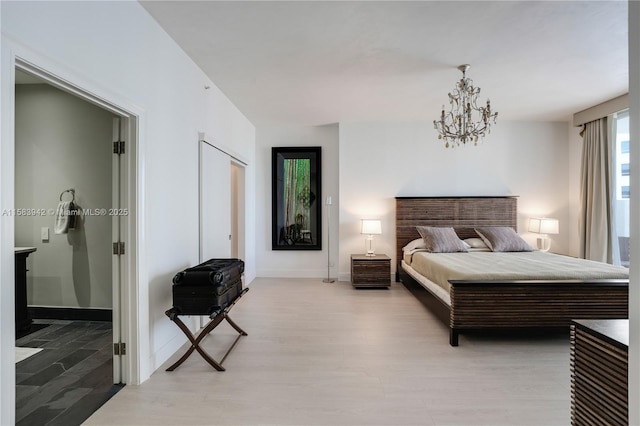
(544, 226)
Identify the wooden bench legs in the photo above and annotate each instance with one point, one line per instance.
(216, 319)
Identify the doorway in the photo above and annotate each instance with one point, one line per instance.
(237, 209)
(63, 158)
(78, 278)
(221, 178)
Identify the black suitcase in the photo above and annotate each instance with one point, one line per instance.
(208, 287)
(213, 271)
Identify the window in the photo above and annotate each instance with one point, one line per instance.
(624, 171)
(624, 147)
(621, 153)
(625, 191)
(621, 202)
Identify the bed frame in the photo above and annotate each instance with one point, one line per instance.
(497, 304)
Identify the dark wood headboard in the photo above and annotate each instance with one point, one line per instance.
(462, 213)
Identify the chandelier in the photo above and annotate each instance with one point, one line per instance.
(458, 126)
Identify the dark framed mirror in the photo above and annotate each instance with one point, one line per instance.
(295, 196)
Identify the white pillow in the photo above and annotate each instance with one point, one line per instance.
(418, 243)
(475, 243)
(479, 249)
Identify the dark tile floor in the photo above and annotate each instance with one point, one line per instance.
(68, 380)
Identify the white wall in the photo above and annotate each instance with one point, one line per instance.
(118, 52)
(379, 161)
(306, 263)
(64, 142)
(376, 162)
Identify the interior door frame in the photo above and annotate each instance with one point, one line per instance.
(121, 132)
(134, 327)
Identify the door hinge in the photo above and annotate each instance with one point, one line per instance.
(118, 147)
(118, 248)
(120, 348)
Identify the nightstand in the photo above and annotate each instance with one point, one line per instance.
(370, 271)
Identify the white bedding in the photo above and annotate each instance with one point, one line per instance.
(435, 289)
(438, 268)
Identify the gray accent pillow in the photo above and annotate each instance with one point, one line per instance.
(441, 240)
(502, 238)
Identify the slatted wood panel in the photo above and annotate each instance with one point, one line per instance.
(487, 304)
(370, 271)
(599, 380)
(462, 213)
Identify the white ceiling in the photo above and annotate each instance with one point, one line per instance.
(320, 62)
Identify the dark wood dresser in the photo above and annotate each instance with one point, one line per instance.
(23, 321)
(370, 271)
(599, 365)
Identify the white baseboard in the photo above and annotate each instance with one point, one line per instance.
(292, 273)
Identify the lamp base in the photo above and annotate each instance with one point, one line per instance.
(328, 280)
(368, 243)
(544, 244)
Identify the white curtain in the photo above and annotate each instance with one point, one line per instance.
(598, 239)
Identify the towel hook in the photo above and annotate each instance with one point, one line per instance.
(73, 194)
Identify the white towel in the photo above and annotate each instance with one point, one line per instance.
(62, 218)
(24, 353)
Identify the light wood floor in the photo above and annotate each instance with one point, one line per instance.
(328, 354)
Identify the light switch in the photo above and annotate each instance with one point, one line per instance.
(44, 234)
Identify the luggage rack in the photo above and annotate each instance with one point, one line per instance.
(215, 319)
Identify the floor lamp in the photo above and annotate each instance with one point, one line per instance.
(328, 204)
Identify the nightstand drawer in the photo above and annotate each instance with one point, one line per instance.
(370, 271)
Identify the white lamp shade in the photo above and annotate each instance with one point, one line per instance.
(370, 227)
(544, 225)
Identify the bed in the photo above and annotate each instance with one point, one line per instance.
(493, 300)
